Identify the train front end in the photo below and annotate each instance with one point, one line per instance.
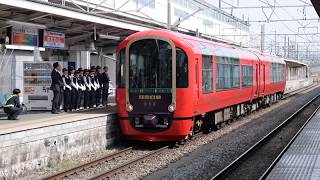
(150, 70)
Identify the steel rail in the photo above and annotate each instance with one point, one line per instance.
(88, 165)
(114, 171)
(262, 141)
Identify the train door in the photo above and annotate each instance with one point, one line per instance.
(264, 78)
(256, 90)
(196, 76)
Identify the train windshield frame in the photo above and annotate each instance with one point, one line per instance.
(181, 68)
(150, 64)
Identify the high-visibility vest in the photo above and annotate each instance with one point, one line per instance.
(9, 105)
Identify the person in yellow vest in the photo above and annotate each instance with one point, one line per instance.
(12, 106)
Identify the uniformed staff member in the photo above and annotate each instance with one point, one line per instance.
(99, 89)
(79, 91)
(93, 89)
(87, 83)
(75, 90)
(12, 106)
(57, 88)
(67, 90)
(82, 87)
(105, 86)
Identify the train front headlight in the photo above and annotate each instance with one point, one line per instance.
(171, 108)
(129, 108)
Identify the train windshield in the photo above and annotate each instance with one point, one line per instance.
(150, 64)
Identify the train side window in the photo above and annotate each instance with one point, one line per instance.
(228, 73)
(121, 71)
(247, 76)
(275, 72)
(182, 69)
(207, 85)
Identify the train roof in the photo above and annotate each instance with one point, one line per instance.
(206, 46)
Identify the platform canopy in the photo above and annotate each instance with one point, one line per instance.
(79, 26)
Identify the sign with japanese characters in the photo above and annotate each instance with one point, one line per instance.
(53, 39)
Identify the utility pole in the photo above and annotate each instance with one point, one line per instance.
(262, 38)
(288, 46)
(169, 14)
(284, 46)
(297, 51)
(220, 4)
(275, 42)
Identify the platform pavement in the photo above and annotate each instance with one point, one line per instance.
(302, 159)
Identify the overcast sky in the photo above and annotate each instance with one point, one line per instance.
(279, 13)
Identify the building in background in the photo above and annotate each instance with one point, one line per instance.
(82, 33)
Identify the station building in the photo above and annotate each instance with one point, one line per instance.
(298, 75)
(80, 33)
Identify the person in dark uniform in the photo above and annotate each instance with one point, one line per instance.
(87, 83)
(12, 106)
(82, 89)
(79, 91)
(57, 88)
(93, 89)
(67, 90)
(105, 86)
(99, 87)
(75, 89)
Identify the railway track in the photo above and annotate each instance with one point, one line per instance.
(110, 172)
(234, 169)
(86, 167)
(267, 172)
(69, 172)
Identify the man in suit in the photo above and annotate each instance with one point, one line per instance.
(57, 88)
(105, 86)
(99, 90)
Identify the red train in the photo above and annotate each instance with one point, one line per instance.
(170, 85)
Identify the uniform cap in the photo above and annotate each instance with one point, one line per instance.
(16, 91)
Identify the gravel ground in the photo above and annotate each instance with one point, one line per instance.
(217, 150)
(230, 141)
(94, 171)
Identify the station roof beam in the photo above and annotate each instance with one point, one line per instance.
(316, 5)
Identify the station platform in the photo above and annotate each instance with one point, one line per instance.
(37, 119)
(293, 85)
(41, 138)
(302, 158)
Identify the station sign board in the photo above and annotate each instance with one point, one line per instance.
(24, 35)
(53, 39)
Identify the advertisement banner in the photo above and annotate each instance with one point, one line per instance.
(53, 39)
(24, 35)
